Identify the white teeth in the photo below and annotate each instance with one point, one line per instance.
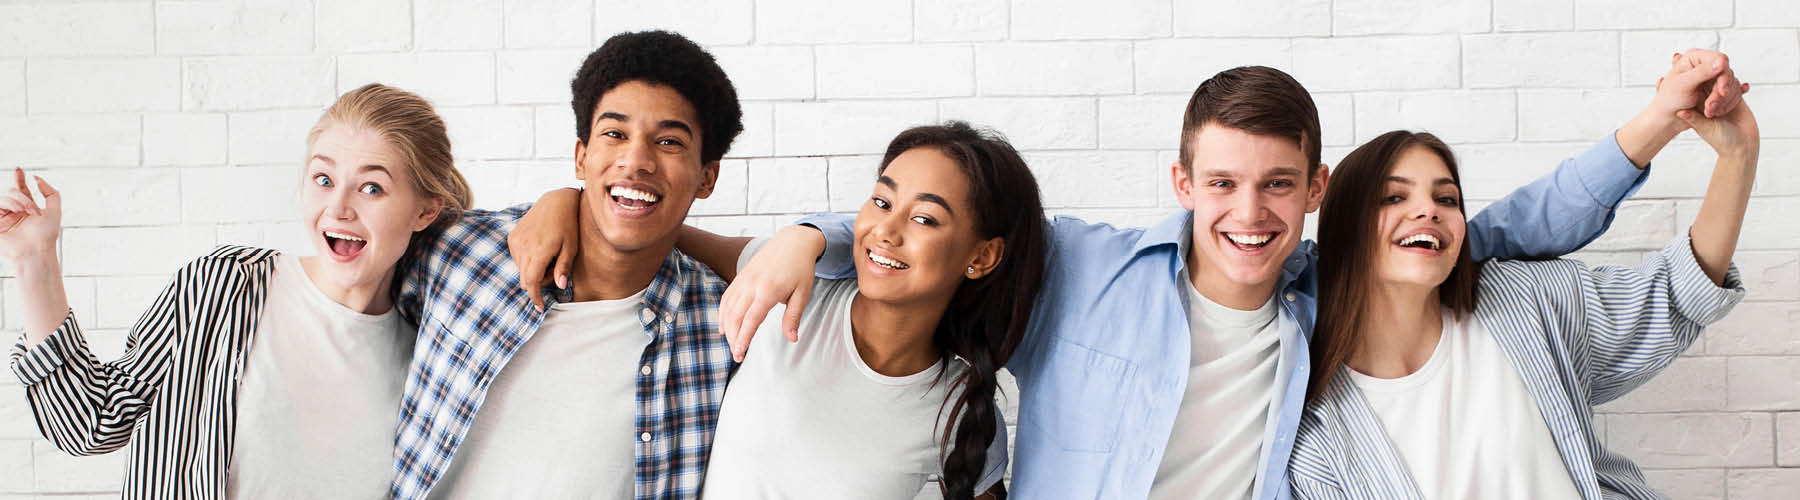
(1422, 237)
(1249, 239)
(633, 194)
(342, 236)
(886, 262)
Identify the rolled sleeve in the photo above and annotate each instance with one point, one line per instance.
(1608, 174)
(34, 364)
(1695, 295)
(836, 262)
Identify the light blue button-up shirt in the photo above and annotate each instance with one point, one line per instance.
(1104, 364)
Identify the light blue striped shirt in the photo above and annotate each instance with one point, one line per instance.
(1578, 337)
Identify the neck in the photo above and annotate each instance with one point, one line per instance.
(604, 272)
(895, 339)
(1400, 330)
(362, 298)
(1223, 291)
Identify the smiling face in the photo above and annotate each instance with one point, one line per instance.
(1421, 225)
(641, 165)
(916, 236)
(1250, 195)
(359, 205)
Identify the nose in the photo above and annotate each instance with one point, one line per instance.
(639, 156)
(1247, 206)
(1426, 209)
(887, 229)
(337, 205)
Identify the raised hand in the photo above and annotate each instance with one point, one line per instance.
(780, 273)
(1700, 80)
(27, 230)
(546, 241)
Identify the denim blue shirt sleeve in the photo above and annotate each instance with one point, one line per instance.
(1561, 212)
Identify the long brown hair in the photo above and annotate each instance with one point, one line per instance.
(1349, 223)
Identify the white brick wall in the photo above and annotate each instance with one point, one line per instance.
(174, 125)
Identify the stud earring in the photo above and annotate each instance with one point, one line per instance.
(971, 269)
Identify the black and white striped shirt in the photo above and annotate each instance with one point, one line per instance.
(173, 395)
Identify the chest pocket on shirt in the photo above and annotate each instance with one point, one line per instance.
(1078, 398)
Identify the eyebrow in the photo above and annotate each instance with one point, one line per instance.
(925, 197)
(364, 168)
(674, 124)
(1439, 182)
(1274, 172)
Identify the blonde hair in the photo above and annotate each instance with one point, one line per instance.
(409, 124)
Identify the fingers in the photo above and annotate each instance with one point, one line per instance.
(759, 309)
(19, 179)
(20, 202)
(730, 314)
(52, 197)
(1701, 124)
(531, 279)
(790, 319)
(563, 260)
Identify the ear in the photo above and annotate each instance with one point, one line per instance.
(580, 159)
(1315, 188)
(709, 178)
(428, 214)
(1183, 182)
(987, 257)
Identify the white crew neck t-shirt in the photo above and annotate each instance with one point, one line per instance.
(1216, 448)
(560, 419)
(319, 397)
(1465, 425)
(811, 420)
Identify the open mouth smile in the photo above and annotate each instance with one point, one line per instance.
(633, 199)
(1250, 242)
(344, 246)
(1426, 242)
(886, 262)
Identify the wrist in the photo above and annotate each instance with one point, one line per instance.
(31, 261)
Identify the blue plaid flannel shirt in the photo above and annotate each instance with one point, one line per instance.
(461, 287)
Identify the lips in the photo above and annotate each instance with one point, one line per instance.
(1250, 241)
(1426, 241)
(633, 197)
(886, 262)
(344, 245)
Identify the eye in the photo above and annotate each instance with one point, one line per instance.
(1221, 183)
(1447, 200)
(613, 134)
(321, 180)
(1392, 199)
(924, 220)
(372, 189)
(1282, 183)
(668, 142)
(879, 203)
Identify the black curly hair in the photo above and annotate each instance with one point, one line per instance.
(663, 58)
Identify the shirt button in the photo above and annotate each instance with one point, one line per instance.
(669, 318)
(645, 370)
(645, 437)
(646, 315)
(1291, 297)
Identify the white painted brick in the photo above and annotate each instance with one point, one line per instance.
(1067, 178)
(788, 185)
(1688, 384)
(12, 86)
(76, 28)
(1534, 15)
(1768, 101)
(831, 21)
(457, 24)
(1766, 14)
(904, 71)
(1787, 429)
(1454, 116)
(1387, 17)
(1337, 118)
(836, 128)
(78, 290)
(536, 76)
(241, 194)
(1692, 440)
(729, 193)
(184, 139)
(1763, 56)
(69, 140)
(851, 179)
(1030, 123)
(1695, 484)
(246, 83)
(959, 20)
(1235, 18)
(1639, 225)
(1577, 115)
(494, 184)
(16, 423)
(489, 132)
(359, 26)
(216, 28)
(1762, 483)
(548, 23)
(126, 298)
(1761, 213)
(741, 225)
(1627, 14)
(290, 237)
(1490, 171)
(1411, 62)
(538, 177)
(710, 22)
(1141, 122)
(1681, 170)
(1056, 68)
(553, 129)
(1769, 275)
(1080, 19)
(768, 72)
(1756, 328)
(447, 79)
(15, 454)
(1178, 66)
(103, 85)
(758, 137)
(1765, 383)
(117, 196)
(1524, 60)
(55, 471)
(264, 137)
(1775, 182)
(1644, 56)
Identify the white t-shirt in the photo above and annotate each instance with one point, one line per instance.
(319, 397)
(1215, 450)
(1465, 425)
(812, 420)
(560, 419)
